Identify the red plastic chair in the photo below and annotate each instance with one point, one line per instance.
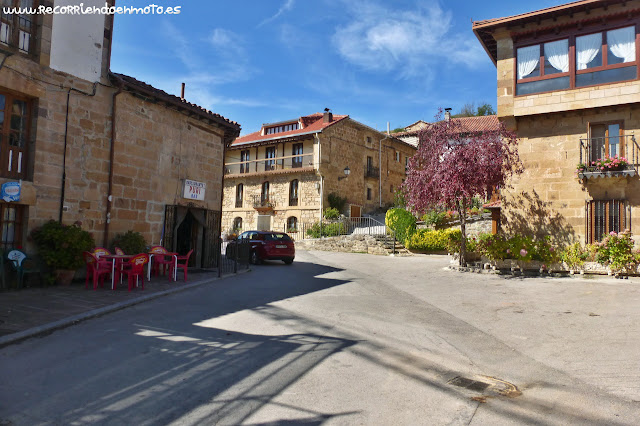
(183, 261)
(136, 269)
(120, 264)
(99, 252)
(160, 257)
(119, 251)
(95, 270)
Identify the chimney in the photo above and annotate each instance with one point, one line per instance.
(447, 114)
(327, 117)
(182, 92)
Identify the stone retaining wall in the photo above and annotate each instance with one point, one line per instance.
(344, 243)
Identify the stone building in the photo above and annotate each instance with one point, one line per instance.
(281, 176)
(568, 84)
(479, 124)
(104, 149)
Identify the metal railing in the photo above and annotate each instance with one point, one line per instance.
(233, 256)
(270, 164)
(345, 226)
(259, 201)
(594, 149)
(371, 172)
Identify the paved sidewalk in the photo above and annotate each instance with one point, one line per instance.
(32, 311)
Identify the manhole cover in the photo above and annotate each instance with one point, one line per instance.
(487, 385)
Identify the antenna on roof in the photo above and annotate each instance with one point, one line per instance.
(182, 91)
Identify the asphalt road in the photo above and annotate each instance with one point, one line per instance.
(343, 339)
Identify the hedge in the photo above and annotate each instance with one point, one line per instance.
(429, 240)
(401, 222)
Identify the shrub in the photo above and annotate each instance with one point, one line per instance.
(518, 247)
(130, 242)
(331, 213)
(61, 246)
(434, 218)
(574, 256)
(428, 240)
(336, 202)
(401, 222)
(319, 229)
(616, 251)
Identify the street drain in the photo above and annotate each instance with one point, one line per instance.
(488, 385)
(473, 385)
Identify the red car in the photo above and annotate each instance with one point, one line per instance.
(267, 245)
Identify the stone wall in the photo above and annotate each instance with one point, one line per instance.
(476, 226)
(344, 243)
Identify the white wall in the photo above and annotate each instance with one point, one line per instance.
(76, 41)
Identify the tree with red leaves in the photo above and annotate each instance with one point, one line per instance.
(451, 167)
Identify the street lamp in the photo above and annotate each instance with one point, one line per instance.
(346, 173)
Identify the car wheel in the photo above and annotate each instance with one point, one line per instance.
(288, 261)
(255, 258)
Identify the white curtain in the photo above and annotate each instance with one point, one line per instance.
(528, 58)
(587, 48)
(557, 53)
(622, 43)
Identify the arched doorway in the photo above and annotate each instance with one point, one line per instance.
(190, 234)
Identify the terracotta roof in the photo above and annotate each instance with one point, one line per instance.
(148, 90)
(484, 29)
(312, 124)
(467, 125)
(493, 205)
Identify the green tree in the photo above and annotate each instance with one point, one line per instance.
(471, 110)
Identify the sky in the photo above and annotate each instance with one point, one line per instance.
(264, 61)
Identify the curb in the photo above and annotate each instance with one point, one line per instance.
(75, 319)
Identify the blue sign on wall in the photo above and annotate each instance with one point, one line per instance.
(10, 191)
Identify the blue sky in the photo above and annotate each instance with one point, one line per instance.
(264, 61)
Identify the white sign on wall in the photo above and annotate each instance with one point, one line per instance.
(194, 190)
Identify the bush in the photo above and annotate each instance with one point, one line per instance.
(428, 240)
(434, 218)
(336, 202)
(401, 222)
(574, 256)
(518, 247)
(319, 229)
(61, 246)
(331, 213)
(616, 251)
(130, 242)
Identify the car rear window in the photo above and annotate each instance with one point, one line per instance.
(276, 237)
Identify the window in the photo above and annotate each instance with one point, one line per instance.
(368, 140)
(282, 128)
(270, 152)
(14, 122)
(17, 31)
(605, 140)
(369, 163)
(600, 58)
(292, 224)
(264, 194)
(297, 151)
(237, 224)
(239, 194)
(244, 157)
(293, 193)
(11, 220)
(397, 156)
(369, 193)
(605, 216)
(406, 163)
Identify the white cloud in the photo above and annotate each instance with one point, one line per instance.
(288, 5)
(410, 42)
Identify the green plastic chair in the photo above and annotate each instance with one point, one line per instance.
(22, 265)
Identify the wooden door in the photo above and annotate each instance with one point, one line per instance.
(355, 211)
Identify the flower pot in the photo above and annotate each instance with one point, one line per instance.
(64, 276)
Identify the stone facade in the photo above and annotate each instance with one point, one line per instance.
(346, 143)
(345, 243)
(548, 198)
(155, 148)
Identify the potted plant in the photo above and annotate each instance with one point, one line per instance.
(61, 247)
(131, 242)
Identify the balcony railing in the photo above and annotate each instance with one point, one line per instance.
(371, 172)
(261, 202)
(266, 165)
(593, 150)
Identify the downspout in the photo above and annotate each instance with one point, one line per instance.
(380, 166)
(317, 138)
(112, 153)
